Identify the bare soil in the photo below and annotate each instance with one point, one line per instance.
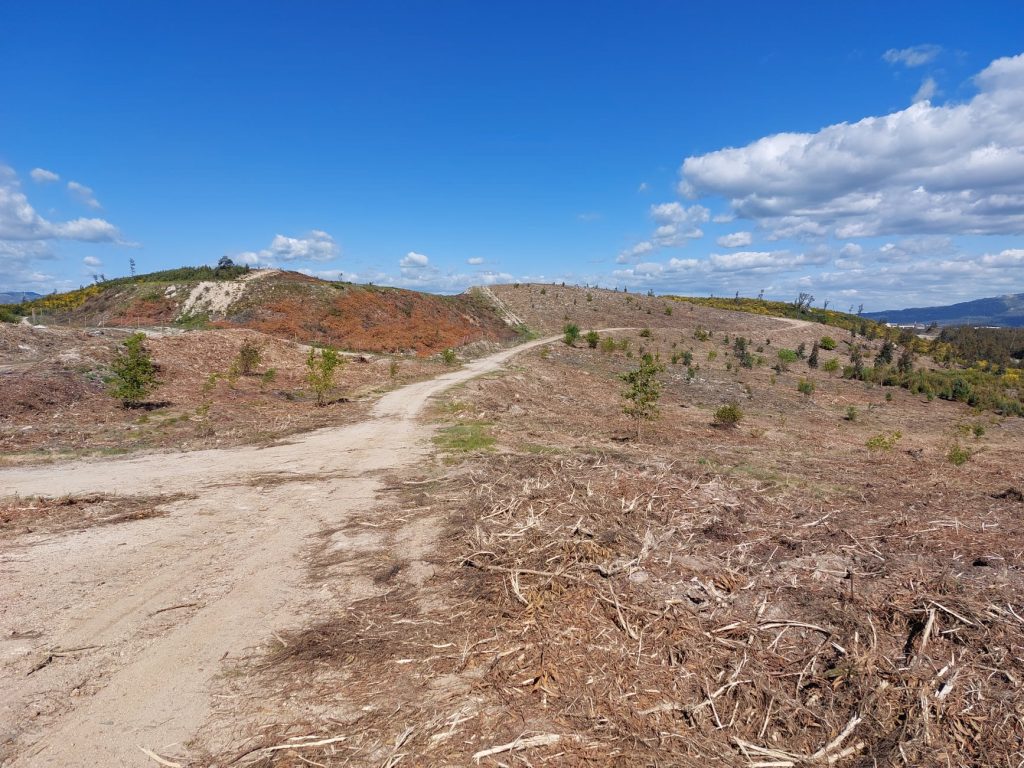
(112, 636)
(55, 403)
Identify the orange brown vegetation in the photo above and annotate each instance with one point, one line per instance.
(382, 320)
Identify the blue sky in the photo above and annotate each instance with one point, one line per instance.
(437, 145)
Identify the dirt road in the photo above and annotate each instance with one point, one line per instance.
(110, 636)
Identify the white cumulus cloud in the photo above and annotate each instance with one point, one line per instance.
(952, 169)
(735, 240)
(92, 261)
(20, 221)
(927, 90)
(915, 56)
(84, 194)
(413, 260)
(316, 245)
(43, 176)
(474, 260)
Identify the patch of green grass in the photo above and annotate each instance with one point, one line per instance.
(194, 322)
(525, 334)
(467, 437)
(453, 406)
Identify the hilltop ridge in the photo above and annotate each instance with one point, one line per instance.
(288, 305)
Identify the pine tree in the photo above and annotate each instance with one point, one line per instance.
(134, 374)
(321, 370)
(812, 360)
(643, 392)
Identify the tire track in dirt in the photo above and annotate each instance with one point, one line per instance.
(231, 557)
(160, 603)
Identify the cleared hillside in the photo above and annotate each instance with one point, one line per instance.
(288, 305)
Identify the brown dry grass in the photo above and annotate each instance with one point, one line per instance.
(383, 320)
(773, 595)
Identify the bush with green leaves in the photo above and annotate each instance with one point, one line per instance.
(592, 338)
(958, 455)
(607, 345)
(728, 416)
(827, 342)
(642, 392)
(805, 387)
(645, 333)
(320, 371)
(831, 365)
(448, 356)
(571, 333)
(851, 413)
(250, 355)
(133, 373)
(883, 441)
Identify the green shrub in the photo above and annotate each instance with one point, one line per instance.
(827, 342)
(700, 334)
(712, 354)
(133, 372)
(448, 356)
(592, 338)
(249, 357)
(607, 345)
(571, 333)
(320, 371)
(645, 333)
(805, 387)
(958, 455)
(851, 413)
(643, 391)
(268, 377)
(787, 356)
(831, 365)
(728, 416)
(884, 441)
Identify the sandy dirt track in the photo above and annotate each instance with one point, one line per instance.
(110, 636)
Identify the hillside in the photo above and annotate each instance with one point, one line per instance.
(557, 591)
(548, 586)
(287, 305)
(1007, 311)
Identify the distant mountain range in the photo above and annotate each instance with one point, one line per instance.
(16, 297)
(1006, 311)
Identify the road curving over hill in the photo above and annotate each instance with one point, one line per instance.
(111, 637)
